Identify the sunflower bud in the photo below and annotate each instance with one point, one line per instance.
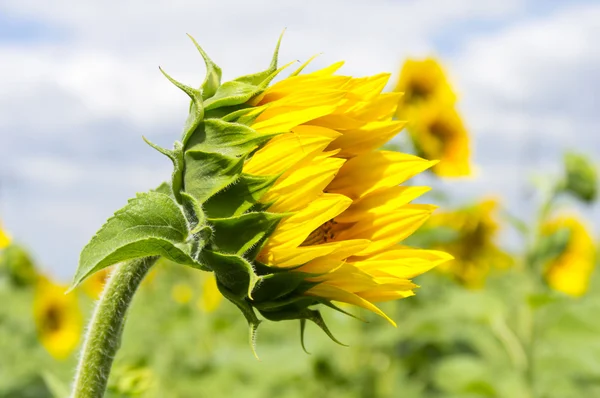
(581, 177)
(280, 191)
(17, 266)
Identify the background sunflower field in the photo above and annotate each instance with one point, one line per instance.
(502, 93)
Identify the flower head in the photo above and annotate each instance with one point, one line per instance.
(424, 81)
(4, 238)
(282, 192)
(347, 209)
(570, 271)
(57, 317)
(473, 231)
(435, 126)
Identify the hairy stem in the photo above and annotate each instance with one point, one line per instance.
(105, 328)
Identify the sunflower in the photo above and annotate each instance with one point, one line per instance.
(57, 317)
(435, 127)
(472, 234)
(211, 298)
(423, 81)
(4, 238)
(94, 285)
(347, 210)
(439, 133)
(571, 270)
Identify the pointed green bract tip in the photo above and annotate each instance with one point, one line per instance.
(212, 81)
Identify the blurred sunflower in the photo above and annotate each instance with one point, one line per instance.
(182, 293)
(438, 133)
(57, 317)
(435, 127)
(471, 240)
(4, 238)
(94, 285)
(571, 270)
(347, 210)
(423, 81)
(211, 298)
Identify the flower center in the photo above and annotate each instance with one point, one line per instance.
(323, 234)
(52, 319)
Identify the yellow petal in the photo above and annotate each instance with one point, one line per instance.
(382, 201)
(367, 138)
(403, 263)
(369, 172)
(294, 230)
(388, 229)
(303, 184)
(284, 151)
(337, 294)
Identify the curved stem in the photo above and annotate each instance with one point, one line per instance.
(105, 328)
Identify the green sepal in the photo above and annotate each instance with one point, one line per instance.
(234, 116)
(247, 311)
(303, 313)
(226, 138)
(236, 92)
(151, 224)
(338, 309)
(176, 156)
(255, 250)
(274, 286)
(236, 235)
(302, 330)
(208, 173)
(234, 272)
(258, 78)
(239, 197)
(212, 81)
(196, 114)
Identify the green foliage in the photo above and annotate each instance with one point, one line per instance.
(152, 224)
(581, 177)
(16, 266)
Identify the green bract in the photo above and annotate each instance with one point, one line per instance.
(209, 216)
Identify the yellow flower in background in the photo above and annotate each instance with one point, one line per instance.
(94, 285)
(4, 238)
(472, 243)
(570, 272)
(348, 210)
(182, 293)
(57, 317)
(438, 133)
(435, 127)
(423, 81)
(211, 297)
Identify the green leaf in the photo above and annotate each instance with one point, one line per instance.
(213, 73)
(236, 235)
(239, 197)
(152, 224)
(226, 138)
(208, 173)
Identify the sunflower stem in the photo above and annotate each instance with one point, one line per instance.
(105, 328)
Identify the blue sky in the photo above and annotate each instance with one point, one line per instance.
(80, 86)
